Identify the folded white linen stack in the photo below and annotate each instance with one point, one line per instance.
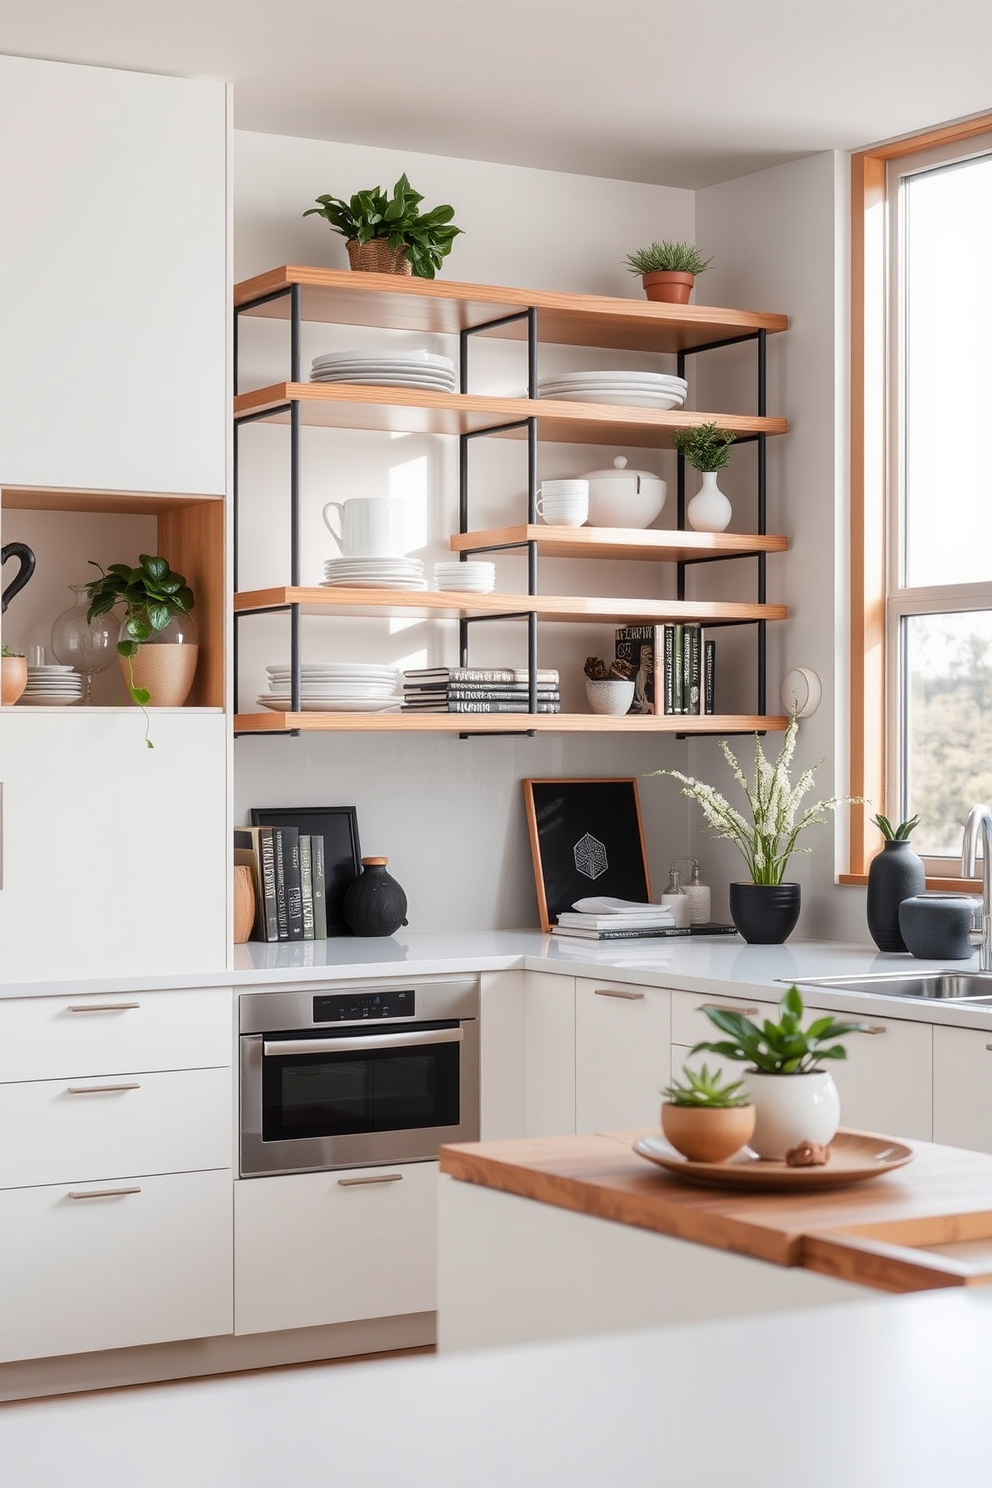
(616, 919)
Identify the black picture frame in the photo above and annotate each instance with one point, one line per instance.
(338, 825)
(560, 815)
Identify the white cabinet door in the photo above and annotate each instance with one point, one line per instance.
(962, 1088)
(622, 1043)
(114, 857)
(114, 258)
(549, 1061)
(86, 1268)
(886, 1082)
(314, 1248)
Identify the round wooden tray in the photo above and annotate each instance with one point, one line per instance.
(854, 1157)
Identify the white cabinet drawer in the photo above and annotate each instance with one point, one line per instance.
(622, 1038)
(80, 1274)
(690, 1026)
(962, 1088)
(46, 1038)
(69, 1131)
(314, 1248)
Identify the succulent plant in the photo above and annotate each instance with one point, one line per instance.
(702, 1089)
(899, 833)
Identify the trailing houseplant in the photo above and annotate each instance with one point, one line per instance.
(668, 270)
(766, 834)
(707, 449)
(895, 874)
(706, 1117)
(157, 603)
(788, 1111)
(406, 240)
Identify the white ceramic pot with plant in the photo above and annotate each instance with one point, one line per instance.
(706, 1117)
(795, 1101)
(707, 449)
(668, 270)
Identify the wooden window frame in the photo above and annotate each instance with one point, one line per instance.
(869, 394)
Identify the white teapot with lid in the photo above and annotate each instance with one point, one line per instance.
(619, 497)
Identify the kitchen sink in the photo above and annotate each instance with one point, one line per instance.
(939, 986)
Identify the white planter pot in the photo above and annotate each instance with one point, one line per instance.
(709, 510)
(790, 1109)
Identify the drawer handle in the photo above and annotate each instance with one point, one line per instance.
(719, 1008)
(989, 1047)
(105, 1193)
(874, 1028)
(358, 1182)
(612, 992)
(101, 1007)
(102, 1089)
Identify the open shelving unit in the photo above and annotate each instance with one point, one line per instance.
(299, 294)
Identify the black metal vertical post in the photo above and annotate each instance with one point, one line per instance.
(680, 493)
(762, 519)
(294, 498)
(463, 343)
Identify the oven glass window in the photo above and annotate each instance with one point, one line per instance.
(341, 1094)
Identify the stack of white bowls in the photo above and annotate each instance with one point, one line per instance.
(469, 577)
(52, 685)
(635, 389)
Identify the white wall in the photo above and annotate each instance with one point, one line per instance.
(447, 812)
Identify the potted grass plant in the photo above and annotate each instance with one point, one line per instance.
(706, 1117)
(668, 270)
(795, 1101)
(388, 234)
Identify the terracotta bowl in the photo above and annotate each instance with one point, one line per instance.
(707, 1134)
(13, 678)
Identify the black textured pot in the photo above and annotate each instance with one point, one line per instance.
(374, 904)
(765, 914)
(897, 873)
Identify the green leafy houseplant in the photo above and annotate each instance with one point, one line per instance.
(778, 1048)
(7, 652)
(152, 595)
(899, 833)
(768, 839)
(703, 1090)
(667, 257)
(705, 448)
(424, 237)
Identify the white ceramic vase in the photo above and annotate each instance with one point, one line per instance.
(709, 510)
(790, 1109)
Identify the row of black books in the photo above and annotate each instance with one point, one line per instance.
(287, 868)
(478, 690)
(674, 667)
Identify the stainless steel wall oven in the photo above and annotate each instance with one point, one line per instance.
(346, 1077)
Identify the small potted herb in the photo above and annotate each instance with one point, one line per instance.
(668, 270)
(13, 675)
(389, 234)
(795, 1100)
(706, 1118)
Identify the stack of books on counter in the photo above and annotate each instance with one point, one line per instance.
(478, 690)
(287, 868)
(616, 919)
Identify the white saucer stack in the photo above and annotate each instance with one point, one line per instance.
(333, 687)
(52, 685)
(468, 578)
(414, 369)
(635, 389)
(374, 573)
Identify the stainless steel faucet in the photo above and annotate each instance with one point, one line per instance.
(979, 825)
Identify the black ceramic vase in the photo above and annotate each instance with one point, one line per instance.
(897, 873)
(765, 914)
(374, 904)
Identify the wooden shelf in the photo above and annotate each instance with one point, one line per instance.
(343, 297)
(637, 543)
(427, 604)
(507, 723)
(410, 411)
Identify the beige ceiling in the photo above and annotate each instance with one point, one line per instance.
(663, 91)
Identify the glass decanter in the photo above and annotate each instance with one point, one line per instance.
(88, 647)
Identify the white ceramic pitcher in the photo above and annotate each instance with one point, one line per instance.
(369, 526)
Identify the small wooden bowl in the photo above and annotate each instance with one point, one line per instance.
(707, 1133)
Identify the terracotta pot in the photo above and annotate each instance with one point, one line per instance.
(165, 670)
(13, 678)
(707, 1133)
(376, 257)
(668, 286)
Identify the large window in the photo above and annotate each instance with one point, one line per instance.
(921, 490)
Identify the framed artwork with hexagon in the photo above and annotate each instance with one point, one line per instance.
(586, 839)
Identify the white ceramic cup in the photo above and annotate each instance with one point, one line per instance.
(368, 526)
(563, 503)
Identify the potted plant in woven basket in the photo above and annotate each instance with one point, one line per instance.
(668, 270)
(389, 234)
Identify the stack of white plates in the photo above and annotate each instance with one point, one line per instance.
(53, 685)
(469, 577)
(333, 687)
(635, 389)
(374, 573)
(415, 369)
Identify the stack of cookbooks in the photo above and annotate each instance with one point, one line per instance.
(478, 690)
(616, 919)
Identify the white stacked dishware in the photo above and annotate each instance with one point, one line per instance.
(52, 685)
(333, 687)
(414, 369)
(635, 389)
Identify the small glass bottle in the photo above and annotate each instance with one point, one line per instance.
(699, 897)
(676, 898)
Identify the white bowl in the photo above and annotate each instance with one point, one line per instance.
(610, 695)
(624, 498)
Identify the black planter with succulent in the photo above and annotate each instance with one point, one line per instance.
(895, 874)
(389, 234)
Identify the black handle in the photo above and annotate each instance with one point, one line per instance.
(26, 558)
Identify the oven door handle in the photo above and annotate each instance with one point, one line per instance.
(365, 1041)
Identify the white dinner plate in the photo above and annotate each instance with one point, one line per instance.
(384, 359)
(360, 671)
(373, 583)
(40, 699)
(331, 705)
(336, 689)
(419, 384)
(650, 379)
(609, 387)
(627, 400)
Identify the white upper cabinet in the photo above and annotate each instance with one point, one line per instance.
(114, 328)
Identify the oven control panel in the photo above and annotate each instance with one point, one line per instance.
(364, 1007)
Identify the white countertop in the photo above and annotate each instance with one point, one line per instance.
(709, 965)
(880, 1394)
